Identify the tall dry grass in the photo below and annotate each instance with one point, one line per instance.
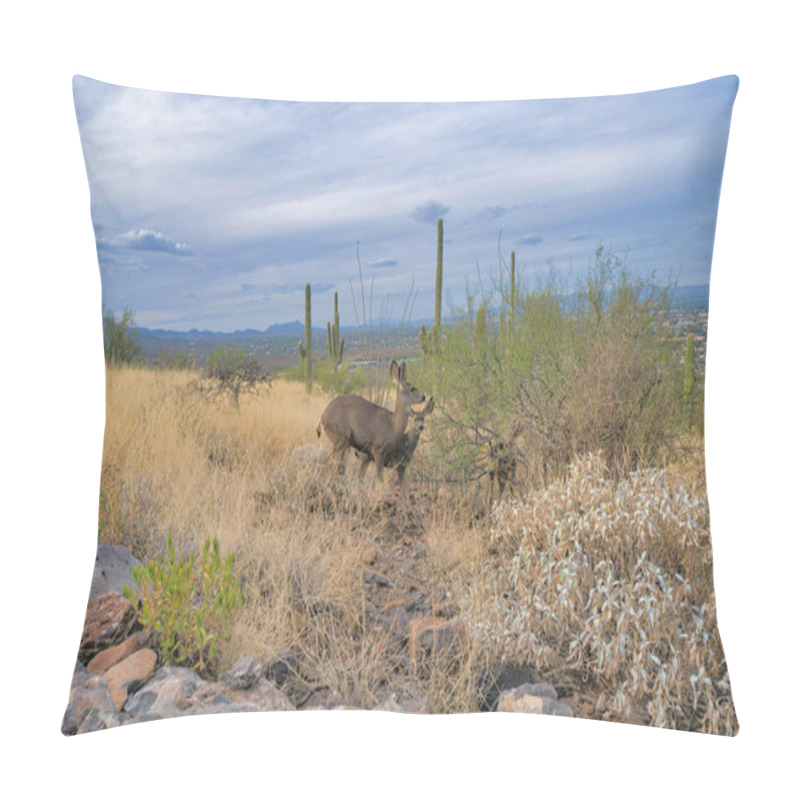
(601, 585)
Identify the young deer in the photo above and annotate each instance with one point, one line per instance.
(400, 456)
(351, 421)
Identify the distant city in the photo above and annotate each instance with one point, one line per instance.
(276, 347)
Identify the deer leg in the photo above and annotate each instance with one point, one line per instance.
(339, 453)
(362, 469)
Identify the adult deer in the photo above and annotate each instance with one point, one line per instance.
(351, 421)
(400, 457)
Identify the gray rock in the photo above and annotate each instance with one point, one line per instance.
(282, 668)
(495, 680)
(244, 673)
(90, 707)
(113, 569)
(416, 705)
(533, 699)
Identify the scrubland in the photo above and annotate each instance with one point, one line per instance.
(598, 581)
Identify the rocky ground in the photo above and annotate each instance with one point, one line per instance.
(118, 680)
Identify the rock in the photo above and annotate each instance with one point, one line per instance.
(173, 684)
(80, 675)
(495, 680)
(377, 579)
(395, 622)
(113, 569)
(264, 696)
(244, 673)
(109, 620)
(282, 668)
(129, 674)
(90, 707)
(533, 699)
(106, 659)
(414, 706)
(435, 636)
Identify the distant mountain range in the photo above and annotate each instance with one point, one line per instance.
(690, 297)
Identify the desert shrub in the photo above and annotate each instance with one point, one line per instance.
(119, 338)
(171, 359)
(187, 604)
(230, 371)
(338, 380)
(583, 372)
(608, 584)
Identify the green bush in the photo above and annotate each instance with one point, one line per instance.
(229, 370)
(577, 373)
(119, 339)
(187, 605)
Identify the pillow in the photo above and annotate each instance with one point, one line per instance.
(404, 407)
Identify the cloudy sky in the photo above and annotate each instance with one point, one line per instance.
(215, 212)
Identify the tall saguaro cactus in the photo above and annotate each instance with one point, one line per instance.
(305, 349)
(513, 299)
(335, 343)
(688, 379)
(437, 318)
(480, 332)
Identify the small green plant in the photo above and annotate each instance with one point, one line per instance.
(187, 605)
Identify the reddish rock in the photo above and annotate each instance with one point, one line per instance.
(370, 555)
(129, 674)
(109, 620)
(435, 636)
(106, 659)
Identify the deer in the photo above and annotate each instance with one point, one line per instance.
(400, 457)
(351, 421)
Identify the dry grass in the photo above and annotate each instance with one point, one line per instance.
(553, 581)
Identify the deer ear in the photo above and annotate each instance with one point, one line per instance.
(403, 372)
(429, 407)
(394, 371)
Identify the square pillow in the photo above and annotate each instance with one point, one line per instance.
(404, 407)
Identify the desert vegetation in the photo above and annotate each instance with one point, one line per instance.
(554, 508)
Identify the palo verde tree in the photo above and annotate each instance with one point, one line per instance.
(119, 338)
(229, 370)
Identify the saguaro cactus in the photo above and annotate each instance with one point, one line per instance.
(480, 331)
(437, 318)
(335, 343)
(513, 297)
(305, 349)
(688, 379)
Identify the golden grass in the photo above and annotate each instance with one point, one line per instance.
(178, 463)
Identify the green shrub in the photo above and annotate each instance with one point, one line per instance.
(187, 605)
(229, 370)
(575, 373)
(119, 338)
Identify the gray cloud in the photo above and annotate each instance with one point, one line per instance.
(429, 212)
(383, 262)
(150, 240)
(493, 212)
(271, 195)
